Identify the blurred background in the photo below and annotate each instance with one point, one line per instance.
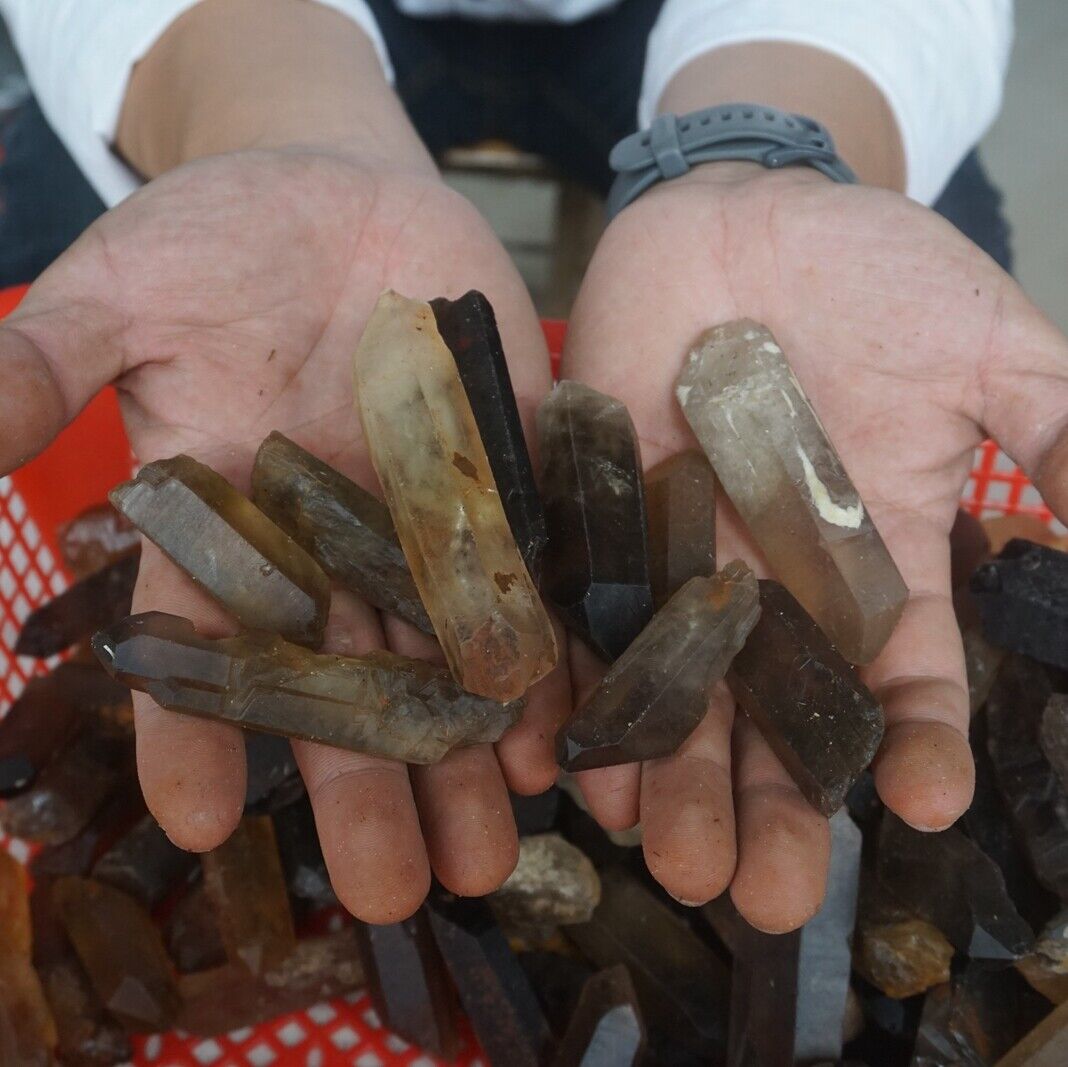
(551, 227)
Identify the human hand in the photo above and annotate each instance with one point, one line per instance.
(225, 300)
(911, 344)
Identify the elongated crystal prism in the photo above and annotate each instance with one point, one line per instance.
(228, 546)
(782, 473)
(347, 530)
(807, 701)
(789, 992)
(122, 952)
(606, 1029)
(96, 601)
(429, 457)
(655, 694)
(469, 327)
(680, 498)
(145, 863)
(380, 704)
(409, 985)
(244, 881)
(596, 570)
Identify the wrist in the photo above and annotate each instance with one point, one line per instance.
(237, 74)
(807, 81)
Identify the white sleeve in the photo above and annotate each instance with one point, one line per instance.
(79, 54)
(939, 63)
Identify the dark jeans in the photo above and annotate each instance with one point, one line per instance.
(567, 93)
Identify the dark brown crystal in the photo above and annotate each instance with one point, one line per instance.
(596, 570)
(807, 701)
(680, 499)
(656, 693)
(145, 863)
(381, 704)
(347, 530)
(80, 610)
(192, 934)
(95, 537)
(606, 1029)
(244, 881)
(494, 991)
(682, 986)
(121, 951)
(409, 985)
(228, 546)
(469, 328)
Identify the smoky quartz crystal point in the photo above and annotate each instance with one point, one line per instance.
(380, 704)
(596, 570)
(437, 481)
(81, 609)
(655, 694)
(606, 1029)
(469, 327)
(781, 471)
(409, 985)
(807, 701)
(347, 530)
(495, 992)
(145, 863)
(1023, 601)
(680, 498)
(228, 546)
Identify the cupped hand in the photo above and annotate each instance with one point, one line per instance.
(225, 300)
(911, 345)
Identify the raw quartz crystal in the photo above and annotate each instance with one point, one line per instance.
(409, 985)
(1032, 790)
(774, 460)
(347, 530)
(789, 992)
(80, 610)
(807, 701)
(1023, 601)
(244, 881)
(228, 546)
(655, 694)
(192, 935)
(596, 571)
(553, 884)
(1053, 735)
(122, 952)
(425, 446)
(606, 1029)
(495, 993)
(27, 1030)
(145, 863)
(680, 499)
(379, 704)
(469, 327)
(95, 537)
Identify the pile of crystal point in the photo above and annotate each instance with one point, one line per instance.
(930, 948)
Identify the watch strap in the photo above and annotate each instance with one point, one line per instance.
(747, 132)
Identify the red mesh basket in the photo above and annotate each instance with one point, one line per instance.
(77, 470)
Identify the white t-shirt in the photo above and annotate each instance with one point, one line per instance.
(939, 63)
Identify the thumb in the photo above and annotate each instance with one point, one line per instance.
(56, 353)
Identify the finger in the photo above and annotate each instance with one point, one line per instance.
(784, 844)
(687, 810)
(611, 793)
(527, 753)
(463, 802)
(192, 771)
(924, 770)
(56, 353)
(364, 810)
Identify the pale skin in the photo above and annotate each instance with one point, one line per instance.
(291, 190)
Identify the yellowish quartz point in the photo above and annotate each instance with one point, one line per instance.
(781, 471)
(436, 478)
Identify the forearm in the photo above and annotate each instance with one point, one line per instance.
(232, 74)
(807, 81)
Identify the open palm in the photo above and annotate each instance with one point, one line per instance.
(911, 344)
(225, 300)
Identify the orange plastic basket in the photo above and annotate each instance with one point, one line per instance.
(77, 470)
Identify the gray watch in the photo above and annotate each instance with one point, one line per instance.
(750, 132)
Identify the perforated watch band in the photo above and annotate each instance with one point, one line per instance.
(749, 132)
